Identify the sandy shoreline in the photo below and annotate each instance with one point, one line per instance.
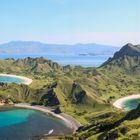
(70, 121)
(119, 103)
(27, 81)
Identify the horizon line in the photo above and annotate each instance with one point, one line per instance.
(56, 43)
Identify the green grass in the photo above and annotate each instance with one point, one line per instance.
(99, 89)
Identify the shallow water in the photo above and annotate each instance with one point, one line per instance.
(7, 79)
(21, 124)
(131, 104)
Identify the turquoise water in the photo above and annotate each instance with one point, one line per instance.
(22, 124)
(7, 79)
(12, 117)
(131, 104)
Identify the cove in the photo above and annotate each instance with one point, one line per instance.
(131, 104)
(21, 124)
(7, 79)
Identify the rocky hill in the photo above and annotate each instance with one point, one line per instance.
(127, 58)
(68, 88)
(85, 93)
(128, 50)
(29, 65)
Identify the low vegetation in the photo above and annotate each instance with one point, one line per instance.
(85, 93)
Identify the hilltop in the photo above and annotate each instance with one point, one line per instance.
(126, 59)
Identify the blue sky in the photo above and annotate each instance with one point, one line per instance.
(70, 21)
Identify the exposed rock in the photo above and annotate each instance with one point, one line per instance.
(50, 98)
(3, 84)
(57, 110)
(77, 93)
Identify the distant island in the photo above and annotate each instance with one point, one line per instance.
(32, 47)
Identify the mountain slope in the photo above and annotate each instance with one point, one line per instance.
(126, 59)
(53, 85)
(85, 93)
(112, 126)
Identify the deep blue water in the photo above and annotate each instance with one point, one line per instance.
(65, 59)
(7, 79)
(22, 124)
(131, 104)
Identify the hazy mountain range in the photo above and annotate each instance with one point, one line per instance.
(31, 47)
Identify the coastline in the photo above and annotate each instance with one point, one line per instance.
(69, 121)
(27, 81)
(119, 103)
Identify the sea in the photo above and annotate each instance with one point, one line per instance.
(27, 124)
(131, 104)
(66, 59)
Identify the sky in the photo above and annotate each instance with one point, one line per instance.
(114, 22)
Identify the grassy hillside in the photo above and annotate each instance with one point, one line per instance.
(54, 86)
(117, 77)
(85, 93)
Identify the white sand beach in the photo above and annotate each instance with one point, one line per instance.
(27, 81)
(119, 103)
(70, 121)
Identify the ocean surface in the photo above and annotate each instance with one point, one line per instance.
(66, 59)
(131, 104)
(7, 79)
(22, 124)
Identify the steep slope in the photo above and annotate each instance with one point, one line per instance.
(54, 86)
(127, 59)
(84, 93)
(121, 75)
(112, 126)
(125, 128)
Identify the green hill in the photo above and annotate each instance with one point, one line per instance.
(85, 93)
(54, 86)
(127, 59)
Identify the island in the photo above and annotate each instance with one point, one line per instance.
(88, 100)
